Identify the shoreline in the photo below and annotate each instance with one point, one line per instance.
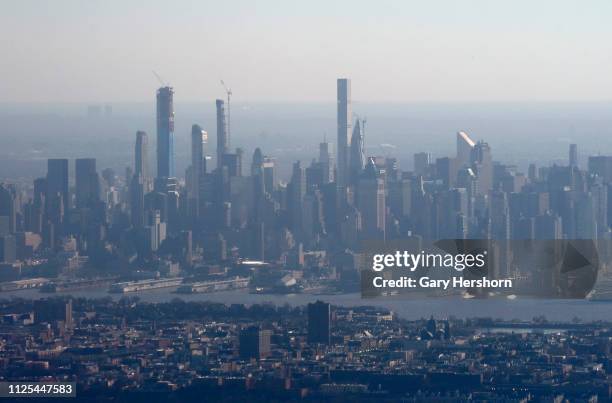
(408, 308)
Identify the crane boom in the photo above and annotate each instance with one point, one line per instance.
(161, 80)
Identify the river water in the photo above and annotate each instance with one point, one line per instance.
(415, 308)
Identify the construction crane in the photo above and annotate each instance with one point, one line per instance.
(161, 80)
(228, 91)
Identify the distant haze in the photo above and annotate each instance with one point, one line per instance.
(519, 133)
(480, 50)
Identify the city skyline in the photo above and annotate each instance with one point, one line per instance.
(364, 197)
(318, 201)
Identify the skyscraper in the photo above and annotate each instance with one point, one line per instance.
(254, 343)
(233, 162)
(141, 153)
(57, 181)
(326, 160)
(345, 118)
(464, 149)
(482, 162)
(601, 165)
(298, 190)
(257, 163)
(422, 161)
(259, 186)
(198, 163)
(156, 230)
(269, 169)
(573, 155)
(87, 182)
(165, 132)
(137, 192)
(8, 209)
(68, 316)
(319, 322)
(35, 220)
(357, 156)
(371, 202)
(223, 142)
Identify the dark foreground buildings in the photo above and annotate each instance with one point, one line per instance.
(201, 351)
(254, 343)
(319, 322)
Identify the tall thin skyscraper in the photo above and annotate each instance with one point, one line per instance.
(357, 156)
(57, 181)
(259, 189)
(345, 118)
(87, 182)
(198, 163)
(223, 141)
(38, 203)
(165, 132)
(298, 190)
(326, 160)
(573, 155)
(141, 153)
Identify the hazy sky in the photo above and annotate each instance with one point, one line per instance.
(434, 50)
